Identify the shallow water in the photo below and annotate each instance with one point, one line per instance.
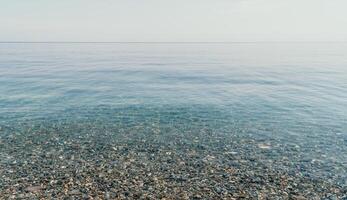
(246, 106)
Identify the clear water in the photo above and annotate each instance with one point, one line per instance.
(282, 104)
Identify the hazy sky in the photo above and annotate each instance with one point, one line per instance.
(173, 20)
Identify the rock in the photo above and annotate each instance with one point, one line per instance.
(74, 192)
(264, 146)
(298, 197)
(209, 158)
(33, 188)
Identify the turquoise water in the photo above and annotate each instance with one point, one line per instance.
(283, 105)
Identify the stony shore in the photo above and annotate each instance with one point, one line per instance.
(80, 161)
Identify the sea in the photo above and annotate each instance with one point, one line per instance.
(251, 114)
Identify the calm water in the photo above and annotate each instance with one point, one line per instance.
(283, 103)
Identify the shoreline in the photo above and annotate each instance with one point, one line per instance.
(94, 161)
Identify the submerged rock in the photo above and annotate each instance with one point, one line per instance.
(264, 146)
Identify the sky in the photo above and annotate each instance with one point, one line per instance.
(173, 20)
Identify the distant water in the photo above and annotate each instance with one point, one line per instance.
(285, 103)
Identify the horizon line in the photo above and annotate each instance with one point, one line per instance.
(166, 42)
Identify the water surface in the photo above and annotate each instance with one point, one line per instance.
(257, 108)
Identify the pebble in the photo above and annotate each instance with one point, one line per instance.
(264, 146)
(112, 165)
(74, 192)
(33, 188)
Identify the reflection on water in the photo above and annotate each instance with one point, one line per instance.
(265, 110)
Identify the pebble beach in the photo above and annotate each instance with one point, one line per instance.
(173, 121)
